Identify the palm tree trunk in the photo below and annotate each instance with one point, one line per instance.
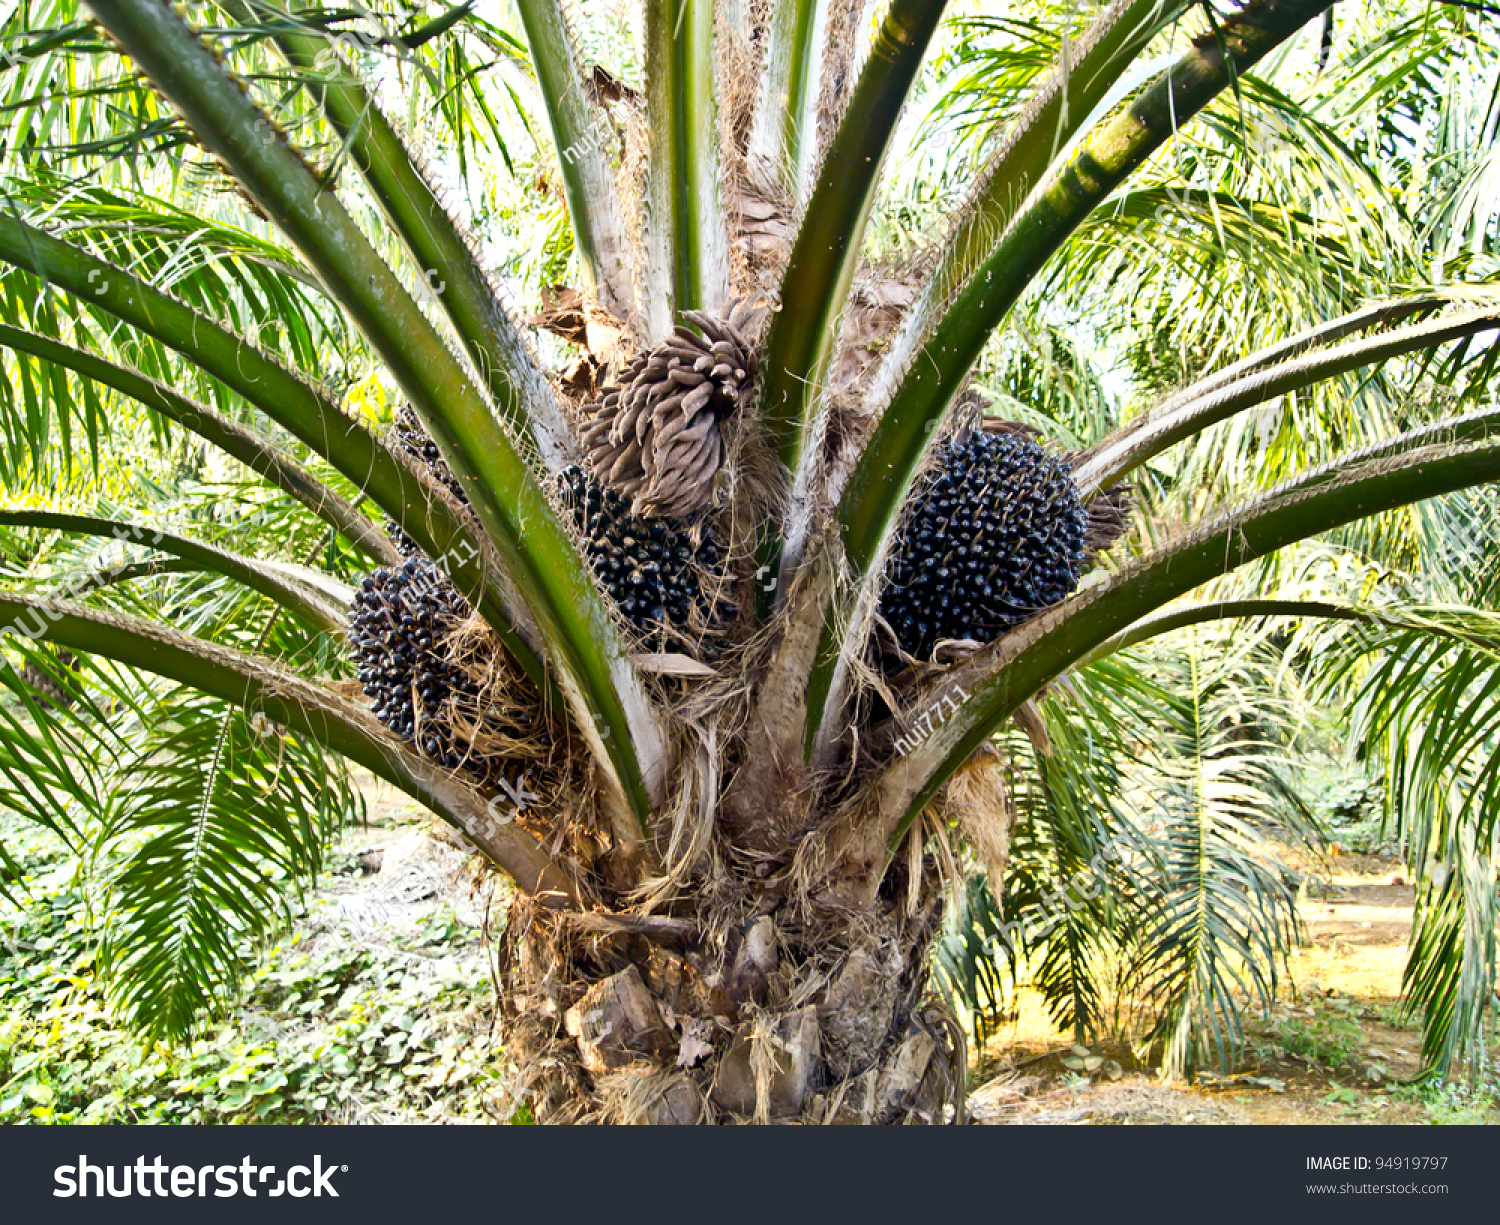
(772, 1002)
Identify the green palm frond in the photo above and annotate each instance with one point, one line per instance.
(1450, 970)
(975, 965)
(316, 598)
(987, 71)
(1222, 915)
(200, 821)
(255, 284)
(605, 696)
(1073, 890)
(221, 820)
(1145, 887)
(1079, 839)
(107, 111)
(1424, 700)
(58, 761)
(266, 457)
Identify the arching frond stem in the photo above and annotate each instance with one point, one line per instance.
(339, 725)
(316, 599)
(781, 131)
(258, 454)
(1055, 112)
(304, 410)
(1104, 160)
(685, 223)
(1184, 416)
(869, 511)
(446, 259)
(830, 241)
(581, 135)
(609, 704)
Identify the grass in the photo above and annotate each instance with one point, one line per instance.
(1328, 1039)
(1474, 1101)
(1461, 1104)
(334, 1026)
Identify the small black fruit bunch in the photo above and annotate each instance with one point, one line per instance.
(408, 433)
(664, 574)
(997, 532)
(399, 641)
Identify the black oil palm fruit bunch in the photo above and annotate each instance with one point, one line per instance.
(408, 433)
(398, 635)
(997, 532)
(661, 572)
(657, 436)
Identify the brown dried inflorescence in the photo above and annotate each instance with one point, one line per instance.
(657, 437)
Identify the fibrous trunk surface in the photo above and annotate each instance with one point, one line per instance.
(774, 1007)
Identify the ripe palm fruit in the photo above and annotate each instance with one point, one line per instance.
(656, 437)
(414, 439)
(996, 533)
(397, 640)
(654, 568)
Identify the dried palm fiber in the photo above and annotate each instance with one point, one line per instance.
(570, 314)
(1109, 518)
(657, 437)
(564, 313)
(878, 301)
(846, 25)
(978, 800)
(764, 232)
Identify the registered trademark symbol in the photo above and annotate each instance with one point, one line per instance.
(344, 1168)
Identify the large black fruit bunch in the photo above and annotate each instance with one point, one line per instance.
(654, 568)
(397, 636)
(996, 534)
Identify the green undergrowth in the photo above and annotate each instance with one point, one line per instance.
(1471, 1100)
(335, 1025)
(1328, 1039)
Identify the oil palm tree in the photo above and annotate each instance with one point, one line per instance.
(699, 629)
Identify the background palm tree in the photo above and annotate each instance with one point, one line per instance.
(636, 623)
